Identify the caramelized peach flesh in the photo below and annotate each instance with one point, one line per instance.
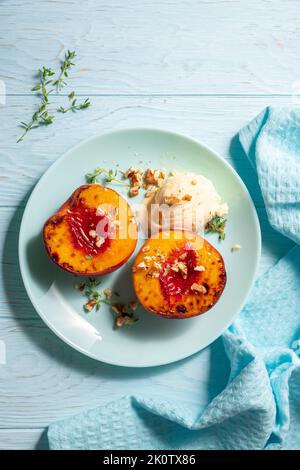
(178, 274)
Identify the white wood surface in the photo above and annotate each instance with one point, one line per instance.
(200, 67)
(156, 46)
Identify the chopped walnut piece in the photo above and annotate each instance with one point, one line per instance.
(108, 292)
(133, 305)
(118, 308)
(157, 265)
(187, 197)
(181, 267)
(154, 274)
(100, 211)
(120, 321)
(198, 288)
(235, 247)
(135, 175)
(90, 305)
(124, 320)
(154, 178)
(134, 191)
(171, 200)
(93, 233)
(199, 268)
(99, 242)
(149, 177)
(80, 286)
(142, 265)
(116, 222)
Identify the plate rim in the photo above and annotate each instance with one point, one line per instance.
(65, 156)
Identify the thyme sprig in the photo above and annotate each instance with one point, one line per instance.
(46, 86)
(74, 106)
(109, 176)
(217, 225)
(41, 116)
(64, 68)
(93, 295)
(124, 314)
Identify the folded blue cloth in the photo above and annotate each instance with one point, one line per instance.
(260, 406)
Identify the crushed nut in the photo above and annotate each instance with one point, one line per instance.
(134, 191)
(199, 268)
(235, 248)
(80, 286)
(100, 242)
(108, 293)
(133, 305)
(194, 182)
(142, 265)
(90, 305)
(187, 197)
(153, 273)
(120, 321)
(198, 288)
(100, 211)
(181, 267)
(145, 249)
(149, 177)
(135, 175)
(93, 233)
(116, 222)
(171, 200)
(175, 268)
(156, 265)
(118, 308)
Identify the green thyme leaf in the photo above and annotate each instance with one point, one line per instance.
(108, 176)
(217, 225)
(41, 115)
(65, 66)
(74, 107)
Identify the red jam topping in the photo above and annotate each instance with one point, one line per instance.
(90, 229)
(174, 283)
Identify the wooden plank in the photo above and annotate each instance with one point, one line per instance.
(14, 302)
(45, 380)
(213, 120)
(154, 46)
(23, 439)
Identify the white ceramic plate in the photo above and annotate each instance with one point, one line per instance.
(152, 340)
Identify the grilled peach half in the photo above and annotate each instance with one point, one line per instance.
(177, 274)
(93, 233)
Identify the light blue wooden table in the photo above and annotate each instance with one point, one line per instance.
(200, 67)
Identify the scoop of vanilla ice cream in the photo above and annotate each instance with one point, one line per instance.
(185, 200)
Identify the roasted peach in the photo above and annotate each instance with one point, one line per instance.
(178, 274)
(93, 233)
